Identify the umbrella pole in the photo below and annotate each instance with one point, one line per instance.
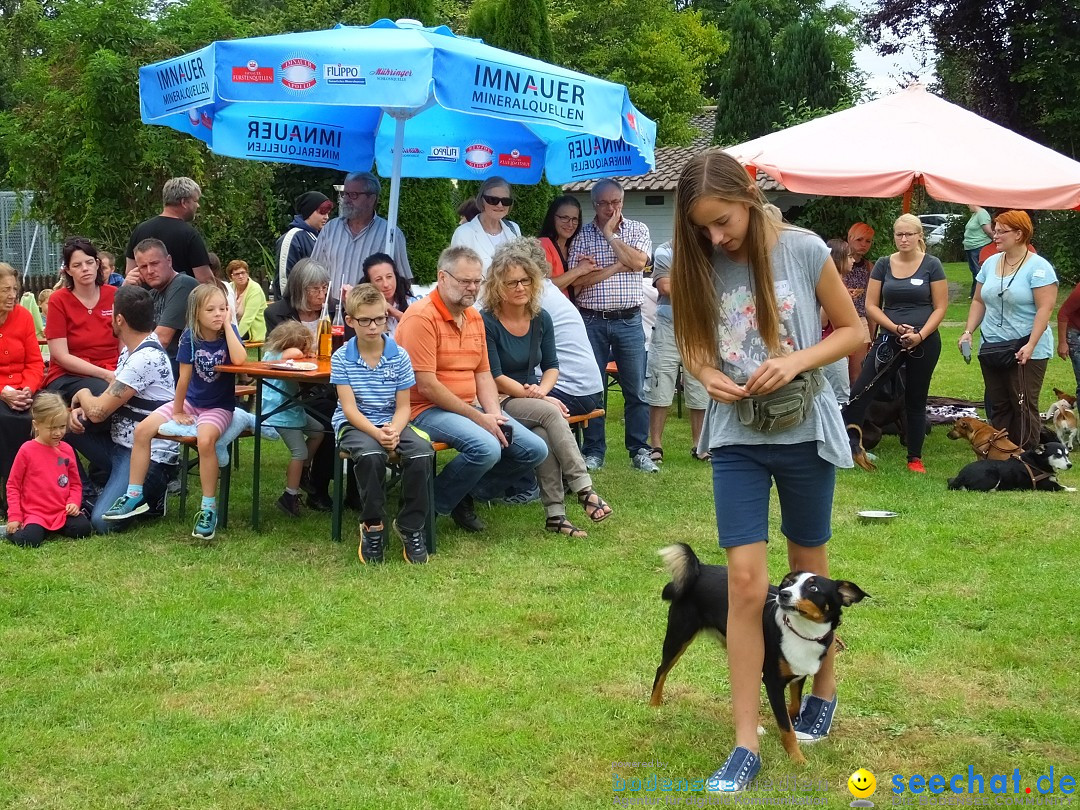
(395, 184)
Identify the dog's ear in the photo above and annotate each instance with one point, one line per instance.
(850, 593)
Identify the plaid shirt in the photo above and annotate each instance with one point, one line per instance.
(623, 290)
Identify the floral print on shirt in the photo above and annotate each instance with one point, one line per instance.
(741, 348)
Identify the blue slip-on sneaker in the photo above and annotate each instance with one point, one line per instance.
(815, 719)
(736, 774)
(521, 498)
(205, 525)
(126, 506)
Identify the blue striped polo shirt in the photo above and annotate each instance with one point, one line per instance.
(375, 388)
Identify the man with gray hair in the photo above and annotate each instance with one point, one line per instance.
(610, 298)
(180, 198)
(356, 233)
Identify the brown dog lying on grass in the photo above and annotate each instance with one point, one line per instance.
(987, 441)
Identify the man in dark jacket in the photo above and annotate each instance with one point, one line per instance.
(312, 213)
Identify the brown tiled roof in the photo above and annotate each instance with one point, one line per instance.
(670, 161)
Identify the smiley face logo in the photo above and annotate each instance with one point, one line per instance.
(862, 784)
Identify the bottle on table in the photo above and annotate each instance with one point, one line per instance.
(337, 328)
(324, 333)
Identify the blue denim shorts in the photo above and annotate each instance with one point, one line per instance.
(743, 475)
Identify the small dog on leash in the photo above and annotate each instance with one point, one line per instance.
(800, 621)
(986, 440)
(1062, 418)
(1034, 470)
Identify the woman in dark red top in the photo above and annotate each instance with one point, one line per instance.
(21, 368)
(82, 347)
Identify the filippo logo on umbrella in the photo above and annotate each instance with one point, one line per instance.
(298, 73)
(344, 74)
(479, 156)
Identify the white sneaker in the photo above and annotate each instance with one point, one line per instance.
(593, 463)
(643, 462)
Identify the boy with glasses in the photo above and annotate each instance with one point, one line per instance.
(373, 376)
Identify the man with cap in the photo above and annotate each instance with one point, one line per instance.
(312, 212)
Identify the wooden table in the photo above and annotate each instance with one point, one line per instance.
(264, 373)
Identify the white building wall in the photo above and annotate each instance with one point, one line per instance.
(658, 218)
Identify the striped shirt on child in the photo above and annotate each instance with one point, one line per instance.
(375, 388)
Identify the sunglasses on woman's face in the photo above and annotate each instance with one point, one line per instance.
(491, 199)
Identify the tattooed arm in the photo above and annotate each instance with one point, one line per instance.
(99, 409)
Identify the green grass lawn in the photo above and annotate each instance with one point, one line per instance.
(274, 671)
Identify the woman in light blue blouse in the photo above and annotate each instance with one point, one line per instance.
(1015, 294)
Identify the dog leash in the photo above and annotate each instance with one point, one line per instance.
(789, 626)
(991, 444)
(887, 366)
(1035, 479)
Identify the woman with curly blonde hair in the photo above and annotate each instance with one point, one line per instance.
(521, 337)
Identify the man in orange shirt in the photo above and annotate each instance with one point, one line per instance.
(455, 399)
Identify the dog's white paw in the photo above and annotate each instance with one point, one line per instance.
(1070, 489)
(761, 731)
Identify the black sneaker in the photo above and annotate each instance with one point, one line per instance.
(320, 503)
(464, 515)
(414, 548)
(371, 544)
(289, 504)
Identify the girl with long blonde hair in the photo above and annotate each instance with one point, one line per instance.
(746, 292)
(205, 397)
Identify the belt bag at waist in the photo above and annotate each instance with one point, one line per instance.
(784, 408)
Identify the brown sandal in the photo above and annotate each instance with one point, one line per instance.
(559, 524)
(595, 507)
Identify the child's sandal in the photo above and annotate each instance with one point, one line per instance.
(560, 525)
(595, 507)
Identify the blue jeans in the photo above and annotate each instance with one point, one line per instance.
(973, 266)
(593, 433)
(100, 451)
(624, 342)
(743, 475)
(481, 463)
(1072, 337)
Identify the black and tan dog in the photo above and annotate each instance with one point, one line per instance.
(799, 623)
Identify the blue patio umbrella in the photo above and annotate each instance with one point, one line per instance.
(418, 102)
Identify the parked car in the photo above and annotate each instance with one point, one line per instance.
(936, 236)
(932, 221)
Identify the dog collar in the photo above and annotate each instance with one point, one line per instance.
(790, 627)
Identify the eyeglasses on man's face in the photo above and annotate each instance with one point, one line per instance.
(356, 195)
(608, 203)
(465, 282)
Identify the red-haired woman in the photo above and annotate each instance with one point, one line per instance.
(1015, 294)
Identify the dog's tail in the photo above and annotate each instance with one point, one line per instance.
(684, 566)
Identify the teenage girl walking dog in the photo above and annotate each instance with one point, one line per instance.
(746, 292)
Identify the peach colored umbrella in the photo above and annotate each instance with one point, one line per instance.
(884, 148)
